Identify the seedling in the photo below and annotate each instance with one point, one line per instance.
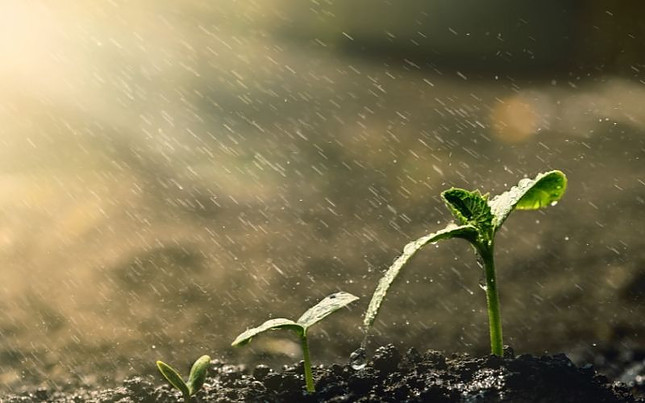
(196, 377)
(479, 220)
(327, 306)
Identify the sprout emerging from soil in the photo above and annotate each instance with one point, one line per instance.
(479, 220)
(327, 306)
(196, 377)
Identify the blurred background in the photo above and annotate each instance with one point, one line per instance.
(172, 173)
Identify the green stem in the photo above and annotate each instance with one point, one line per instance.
(492, 299)
(309, 378)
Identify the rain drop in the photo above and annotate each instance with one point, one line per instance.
(358, 359)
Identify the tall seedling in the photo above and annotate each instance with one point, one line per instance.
(478, 220)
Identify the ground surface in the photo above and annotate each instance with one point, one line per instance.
(389, 376)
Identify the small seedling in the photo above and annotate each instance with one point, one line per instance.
(479, 220)
(196, 377)
(327, 306)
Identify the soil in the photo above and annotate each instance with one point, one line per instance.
(394, 376)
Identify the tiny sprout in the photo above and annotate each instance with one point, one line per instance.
(479, 219)
(327, 306)
(196, 377)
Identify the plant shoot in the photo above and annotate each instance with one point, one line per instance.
(478, 220)
(196, 377)
(327, 306)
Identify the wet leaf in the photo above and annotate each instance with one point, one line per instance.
(173, 377)
(271, 324)
(198, 374)
(529, 194)
(327, 306)
(451, 231)
(469, 207)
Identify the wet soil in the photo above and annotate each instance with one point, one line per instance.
(392, 376)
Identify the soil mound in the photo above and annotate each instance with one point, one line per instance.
(388, 377)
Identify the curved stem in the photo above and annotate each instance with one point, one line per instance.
(492, 300)
(309, 379)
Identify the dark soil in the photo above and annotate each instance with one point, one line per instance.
(388, 377)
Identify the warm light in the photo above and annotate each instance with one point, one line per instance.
(26, 36)
(514, 120)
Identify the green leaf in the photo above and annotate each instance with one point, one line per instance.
(469, 207)
(198, 374)
(451, 231)
(271, 324)
(173, 377)
(529, 194)
(327, 306)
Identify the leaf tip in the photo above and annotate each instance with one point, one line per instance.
(240, 341)
(198, 373)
